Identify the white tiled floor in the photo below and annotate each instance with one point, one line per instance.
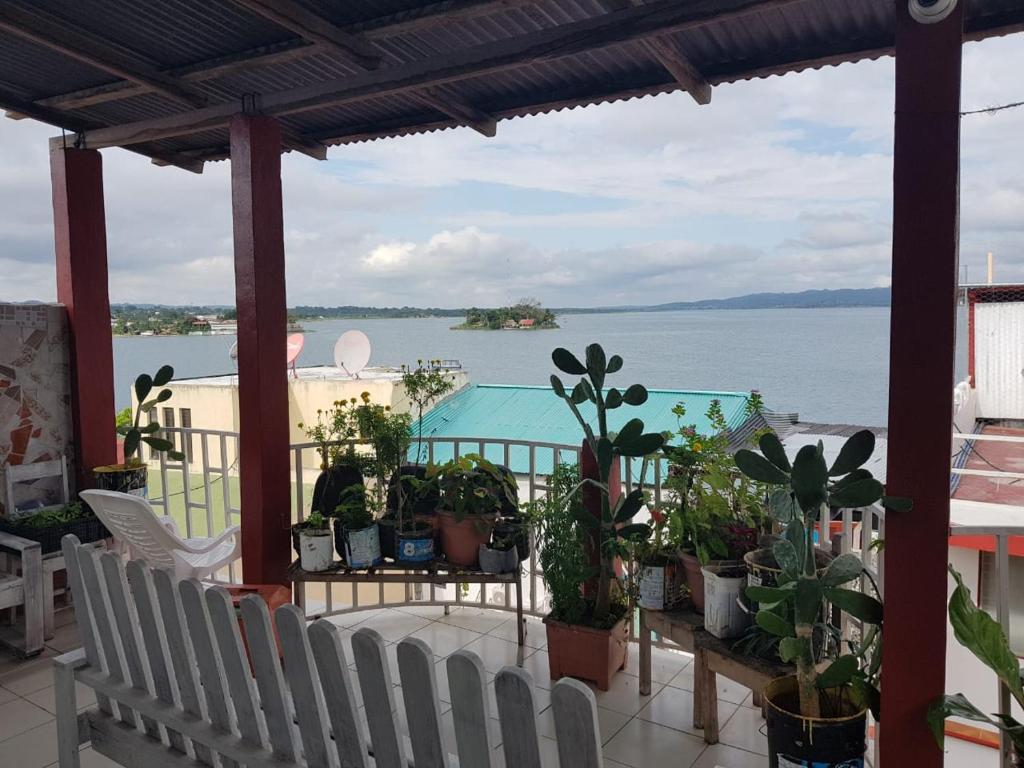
(637, 731)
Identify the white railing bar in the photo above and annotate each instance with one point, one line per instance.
(987, 436)
(988, 473)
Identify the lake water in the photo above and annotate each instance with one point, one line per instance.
(829, 365)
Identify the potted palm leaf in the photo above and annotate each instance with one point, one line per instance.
(818, 715)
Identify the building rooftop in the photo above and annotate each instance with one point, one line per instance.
(305, 373)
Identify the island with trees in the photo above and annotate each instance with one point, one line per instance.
(524, 315)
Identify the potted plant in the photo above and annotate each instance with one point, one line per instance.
(718, 508)
(982, 635)
(592, 643)
(356, 537)
(660, 577)
(473, 492)
(315, 545)
(819, 714)
(50, 524)
(500, 555)
(520, 528)
(424, 384)
(130, 477)
(341, 466)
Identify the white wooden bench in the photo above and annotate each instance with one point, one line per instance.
(22, 586)
(174, 686)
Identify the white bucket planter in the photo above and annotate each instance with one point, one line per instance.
(316, 550)
(724, 616)
(362, 548)
(498, 560)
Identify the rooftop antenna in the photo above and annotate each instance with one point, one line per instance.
(295, 342)
(352, 352)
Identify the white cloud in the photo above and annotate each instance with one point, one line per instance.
(779, 184)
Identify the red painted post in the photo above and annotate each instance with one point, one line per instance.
(262, 327)
(80, 235)
(922, 345)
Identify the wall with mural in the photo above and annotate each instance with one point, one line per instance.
(35, 397)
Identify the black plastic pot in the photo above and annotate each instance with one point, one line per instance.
(515, 528)
(386, 531)
(416, 545)
(425, 505)
(823, 742)
(330, 485)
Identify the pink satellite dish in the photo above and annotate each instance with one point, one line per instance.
(295, 342)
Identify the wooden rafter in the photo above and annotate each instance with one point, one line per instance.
(671, 56)
(656, 18)
(381, 28)
(51, 32)
(317, 30)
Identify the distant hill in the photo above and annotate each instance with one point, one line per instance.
(816, 299)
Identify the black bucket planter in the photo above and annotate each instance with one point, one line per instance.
(330, 486)
(427, 504)
(123, 478)
(388, 542)
(823, 742)
(515, 528)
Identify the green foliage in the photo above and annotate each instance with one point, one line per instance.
(47, 518)
(718, 507)
(315, 522)
(425, 384)
(134, 431)
(502, 317)
(353, 508)
(388, 433)
(471, 485)
(981, 635)
(123, 418)
(612, 529)
(826, 676)
(561, 543)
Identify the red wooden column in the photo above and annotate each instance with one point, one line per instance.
(80, 235)
(262, 328)
(922, 344)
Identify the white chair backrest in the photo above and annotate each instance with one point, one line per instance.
(37, 470)
(132, 520)
(175, 651)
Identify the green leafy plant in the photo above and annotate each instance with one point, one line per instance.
(471, 485)
(388, 433)
(614, 527)
(425, 384)
(353, 510)
(982, 635)
(135, 432)
(315, 523)
(335, 429)
(827, 678)
(561, 543)
(719, 508)
(48, 518)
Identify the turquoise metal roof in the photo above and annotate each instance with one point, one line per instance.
(536, 414)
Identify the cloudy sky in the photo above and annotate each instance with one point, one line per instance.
(779, 184)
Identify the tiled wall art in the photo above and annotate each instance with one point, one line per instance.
(35, 396)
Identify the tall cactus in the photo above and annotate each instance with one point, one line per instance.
(606, 447)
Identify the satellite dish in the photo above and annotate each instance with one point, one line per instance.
(295, 342)
(352, 352)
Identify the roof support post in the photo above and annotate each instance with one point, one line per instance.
(262, 326)
(80, 235)
(926, 160)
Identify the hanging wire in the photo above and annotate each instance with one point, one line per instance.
(993, 110)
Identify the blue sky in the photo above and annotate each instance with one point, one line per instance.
(778, 184)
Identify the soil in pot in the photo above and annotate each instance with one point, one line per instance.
(415, 545)
(461, 540)
(823, 742)
(316, 550)
(586, 653)
(498, 560)
(123, 478)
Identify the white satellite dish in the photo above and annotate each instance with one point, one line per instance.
(352, 352)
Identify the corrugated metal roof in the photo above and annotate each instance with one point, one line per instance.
(182, 38)
(535, 414)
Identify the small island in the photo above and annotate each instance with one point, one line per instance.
(525, 315)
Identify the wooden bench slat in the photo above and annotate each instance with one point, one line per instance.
(72, 548)
(514, 690)
(339, 694)
(468, 681)
(378, 698)
(576, 729)
(419, 690)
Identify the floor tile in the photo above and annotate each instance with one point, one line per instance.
(31, 675)
(665, 664)
(623, 695)
(538, 666)
(6, 696)
(722, 756)
(46, 699)
(536, 634)
(496, 653)
(643, 744)
(745, 730)
(34, 748)
(19, 716)
(92, 759)
(65, 639)
(445, 639)
(394, 625)
(673, 708)
(609, 723)
(476, 619)
(432, 612)
(729, 691)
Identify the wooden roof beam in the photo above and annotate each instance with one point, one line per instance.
(381, 28)
(51, 32)
(656, 18)
(448, 104)
(671, 56)
(316, 29)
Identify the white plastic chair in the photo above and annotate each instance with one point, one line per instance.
(132, 520)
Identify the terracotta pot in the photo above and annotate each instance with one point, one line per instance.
(460, 541)
(694, 580)
(586, 653)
